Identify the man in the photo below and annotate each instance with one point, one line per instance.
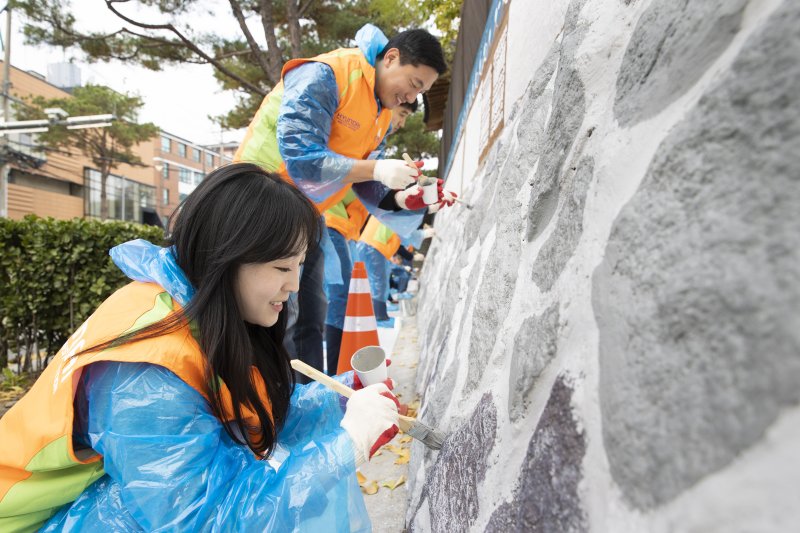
(318, 127)
(345, 222)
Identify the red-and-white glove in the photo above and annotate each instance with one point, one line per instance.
(370, 420)
(446, 199)
(396, 173)
(411, 198)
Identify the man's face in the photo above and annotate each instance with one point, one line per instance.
(399, 116)
(398, 83)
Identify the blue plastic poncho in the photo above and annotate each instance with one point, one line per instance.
(170, 464)
(310, 99)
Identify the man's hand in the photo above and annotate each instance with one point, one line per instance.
(447, 199)
(410, 198)
(396, 173)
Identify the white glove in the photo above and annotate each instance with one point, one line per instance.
(394, 173)
(419, 257)
(370, 420)
(427, 233)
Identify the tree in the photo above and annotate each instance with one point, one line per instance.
(107, 147)
(158, 33)
(446, 15)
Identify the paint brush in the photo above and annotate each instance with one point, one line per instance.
(411, 426)
(410, 161)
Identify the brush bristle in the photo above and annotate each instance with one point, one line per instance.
(427, 435)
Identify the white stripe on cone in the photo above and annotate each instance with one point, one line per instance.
(359, 323)
(359, 286)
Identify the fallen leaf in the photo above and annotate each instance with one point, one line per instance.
(403, 458)
(361, 478)
(395, 449)
(405, 439)
(391, 485)
(377, 453)
(370, 488)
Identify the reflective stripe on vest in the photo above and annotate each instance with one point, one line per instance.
(381, 238)
(357, 127)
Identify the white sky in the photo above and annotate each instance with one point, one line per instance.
(178, 99)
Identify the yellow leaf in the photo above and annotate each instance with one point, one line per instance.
(402, 460)
(391, 485)
(395, 449)
(370, 488)
(361, 478)
(405, 439)
(376, 454)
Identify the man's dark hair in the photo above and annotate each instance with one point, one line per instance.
(417, 47)
(413, 106)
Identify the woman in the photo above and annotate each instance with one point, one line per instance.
(159, 410)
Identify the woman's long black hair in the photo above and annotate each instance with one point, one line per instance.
(239, 214)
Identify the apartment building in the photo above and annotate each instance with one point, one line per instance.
(65, 184)
(180, 165)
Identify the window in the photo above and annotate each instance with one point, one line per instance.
(185, 175)
(165, 170)
(166, 144)
(181, 149)
(165, 196)
(209, 160)
(126, 198)
(198, 177)
(196, 154)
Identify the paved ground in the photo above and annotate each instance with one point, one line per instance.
(387, 507)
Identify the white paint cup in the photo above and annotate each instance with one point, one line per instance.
(430, 190)
(370, 365)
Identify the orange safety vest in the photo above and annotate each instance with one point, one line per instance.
(356, 130)
(39, 469)
(347, 217)
(381, 238)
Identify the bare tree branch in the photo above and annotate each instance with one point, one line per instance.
(273, 50)
(293, 18)
(262, 60)
(304, 8)
(189, 44)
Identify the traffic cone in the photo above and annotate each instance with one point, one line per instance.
(360, 328)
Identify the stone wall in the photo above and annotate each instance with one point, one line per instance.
(611, 335)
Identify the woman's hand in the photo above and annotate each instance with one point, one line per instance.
(370, 420)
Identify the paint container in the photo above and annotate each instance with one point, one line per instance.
(370, 365)
(408, 307)
(430, 190)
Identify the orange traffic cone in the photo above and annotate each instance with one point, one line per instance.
(360, 328)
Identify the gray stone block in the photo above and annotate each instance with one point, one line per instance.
(569, 107)
(452, 484)
(546, 498)
(697, 297)
(672, 46)
(534, 347)
(561, 243)
(493, 297)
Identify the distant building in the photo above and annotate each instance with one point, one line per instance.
(65, 76)
(180, 166)
(66, 184)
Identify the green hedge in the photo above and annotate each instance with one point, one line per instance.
(53, 274)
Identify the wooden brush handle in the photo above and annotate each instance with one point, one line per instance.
(316, 375)
(341, 388)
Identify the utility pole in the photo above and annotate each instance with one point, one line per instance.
(4, 167)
